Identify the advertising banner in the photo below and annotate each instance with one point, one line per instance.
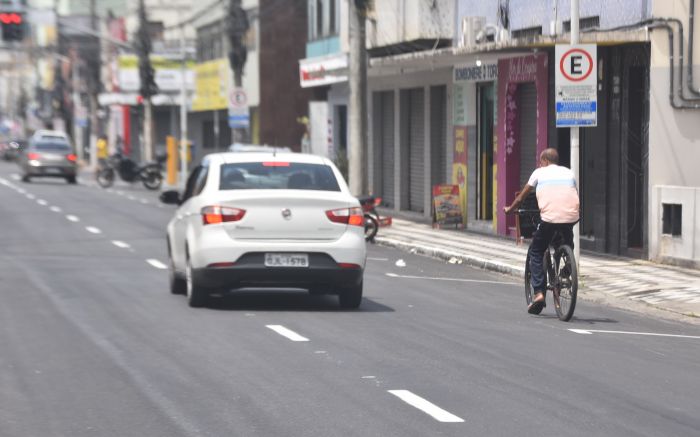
(212, 85)
(447, 207)
(459, 166)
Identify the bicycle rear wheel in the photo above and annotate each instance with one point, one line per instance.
(566, 283)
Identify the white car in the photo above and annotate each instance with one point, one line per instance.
(266, 220)
(48, 135)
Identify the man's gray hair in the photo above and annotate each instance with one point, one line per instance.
(550, 155)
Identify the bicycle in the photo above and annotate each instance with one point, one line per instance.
(561, 273)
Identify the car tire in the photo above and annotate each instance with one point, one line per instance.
(178, 284)
(350, 297)
(71, 180)
(26, 178)
(197, 296)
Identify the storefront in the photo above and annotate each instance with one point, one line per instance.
(522, 127)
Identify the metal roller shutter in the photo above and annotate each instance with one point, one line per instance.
(438, 133)
(387, 147)
(416, 169)
(527, 108)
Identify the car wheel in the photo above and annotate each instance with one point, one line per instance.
(26, 178)
(197, 296)
(71, 180)
(350, 297)
(178, 284)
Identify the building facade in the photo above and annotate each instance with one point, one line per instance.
(637, 188)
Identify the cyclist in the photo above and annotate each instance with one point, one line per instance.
(558, 201)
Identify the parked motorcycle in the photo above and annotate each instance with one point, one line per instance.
(372, 219)
(150, 173)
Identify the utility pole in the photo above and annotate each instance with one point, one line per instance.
(148, 83)
(575, 144)
(94, 82)
(237, 26)
(183, 110)
(357, 163)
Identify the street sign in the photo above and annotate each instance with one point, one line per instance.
(238, 113)
(576, 85)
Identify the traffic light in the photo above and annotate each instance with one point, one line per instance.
(12, 26)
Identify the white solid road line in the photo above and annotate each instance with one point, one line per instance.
(394, 275)
(93, 230)
(651, 334)
(55, 209)
(121, 244)
(377, 259)
(157, 264)
(426, 406)
(281, 330)
(42, 202)
(72, 218)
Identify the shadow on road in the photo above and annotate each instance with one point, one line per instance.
(297, 301)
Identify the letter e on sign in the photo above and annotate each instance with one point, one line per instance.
(576, 65)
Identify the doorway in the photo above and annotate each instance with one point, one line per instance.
(484, 161)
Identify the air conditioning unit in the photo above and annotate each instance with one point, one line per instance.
(471, 26)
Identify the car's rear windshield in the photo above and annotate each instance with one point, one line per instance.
(52, 147)
(277, 176)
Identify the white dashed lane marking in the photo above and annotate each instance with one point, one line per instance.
(55, 209)
(429, 278)
(281, 330)
(121, 244)
(42, 202)
(426, 406)
(649, 334)
(72, 218)
(93, 230)
(157, 264)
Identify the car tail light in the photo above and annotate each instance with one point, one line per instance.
(220, 265)
(348, 216)
(221, 214)
(71, 157)
(348, 266)
(33, 156)
(275, 164)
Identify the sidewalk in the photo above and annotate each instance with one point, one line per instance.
(604, 278)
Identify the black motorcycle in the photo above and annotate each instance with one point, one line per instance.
(372, 219)
(150, 173)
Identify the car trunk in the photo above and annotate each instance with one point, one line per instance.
(285, 215)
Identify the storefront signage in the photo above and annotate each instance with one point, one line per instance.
(476, 73)
(325, 71)
(168, 73)
(212, 86)
(447, 207)
(576, 85)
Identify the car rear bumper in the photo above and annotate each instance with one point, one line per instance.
(50, 170)
(250, 271)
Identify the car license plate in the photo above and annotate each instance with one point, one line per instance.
(286, 260)
(52, 170)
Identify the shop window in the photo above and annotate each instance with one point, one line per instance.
(672, 219)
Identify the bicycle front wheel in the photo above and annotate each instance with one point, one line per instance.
(566, 284)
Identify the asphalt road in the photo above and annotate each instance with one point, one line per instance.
(93, 344)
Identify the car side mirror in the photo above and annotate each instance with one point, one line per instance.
(170, 197)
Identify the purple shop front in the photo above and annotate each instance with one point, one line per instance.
(512, 73)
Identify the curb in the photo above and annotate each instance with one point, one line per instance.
(448, 255)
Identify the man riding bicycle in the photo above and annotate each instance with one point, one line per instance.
(558, 201)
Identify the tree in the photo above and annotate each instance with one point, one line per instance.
(148, 82)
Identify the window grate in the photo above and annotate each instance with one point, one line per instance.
(583, 23)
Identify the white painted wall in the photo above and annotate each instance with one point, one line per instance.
(395, 21)
(674, 145)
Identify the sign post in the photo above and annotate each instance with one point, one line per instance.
(576, 96)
